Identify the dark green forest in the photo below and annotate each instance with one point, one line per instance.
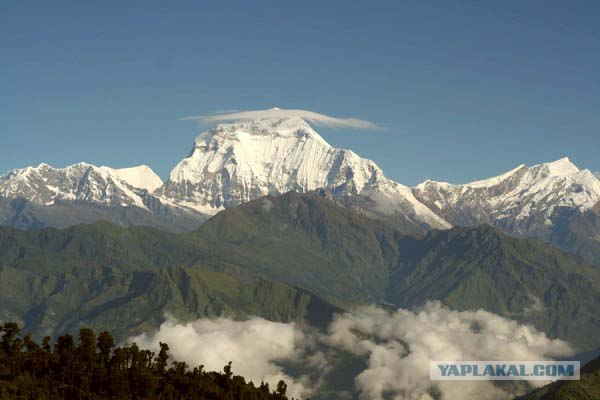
(90, 367)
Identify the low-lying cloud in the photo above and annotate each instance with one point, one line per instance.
(274, 113)
(395, 347)
(255, 347)
(399, 347)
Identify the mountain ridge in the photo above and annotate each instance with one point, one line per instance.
(84, 193)
(556, 202)
(586, 388)
(243, 160)
(303, 241)
(271, 154)
(126, 279)
(309, 241)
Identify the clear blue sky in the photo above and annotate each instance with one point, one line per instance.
(465, 90)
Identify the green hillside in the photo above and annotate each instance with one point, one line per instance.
(109, 277)
(310, 242)
(578, 232)
(287, 258)
(524, 279)
(588, 388)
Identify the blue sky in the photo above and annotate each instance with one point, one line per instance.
(465, 90)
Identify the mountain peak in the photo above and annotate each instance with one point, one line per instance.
(266, 126)
(276, 151)
(141, 176)
(272, 153)
(496, 179)
(80, 182)
(561, 167)
(519, 201)
(278, 113)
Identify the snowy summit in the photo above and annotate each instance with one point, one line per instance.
(250, 154)
(271, 152)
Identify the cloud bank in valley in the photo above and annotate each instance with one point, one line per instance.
(399, 346)
(395, 347)
(275, 113)
(254, 346)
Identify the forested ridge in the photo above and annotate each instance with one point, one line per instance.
(91, 367)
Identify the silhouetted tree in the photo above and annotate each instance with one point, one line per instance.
(93, 369)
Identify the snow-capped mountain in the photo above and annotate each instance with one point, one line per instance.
(275, 151)
(243, 160)
(523, 201)
(82, 182)
(43, 195)
(141, 177)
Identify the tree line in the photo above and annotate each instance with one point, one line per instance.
(93, 368)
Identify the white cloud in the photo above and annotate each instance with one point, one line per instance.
(254, 347)
(399, 346)
(275, 113)
(396, 348)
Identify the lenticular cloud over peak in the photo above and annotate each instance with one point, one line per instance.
(278, 113)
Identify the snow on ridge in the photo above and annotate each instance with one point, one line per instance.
(252, 154)
(275, 153)
(239, 161)
(520, 199)
(561, 167)
(269, 152)
(82, 181)
(141, 176)
(496, 179)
